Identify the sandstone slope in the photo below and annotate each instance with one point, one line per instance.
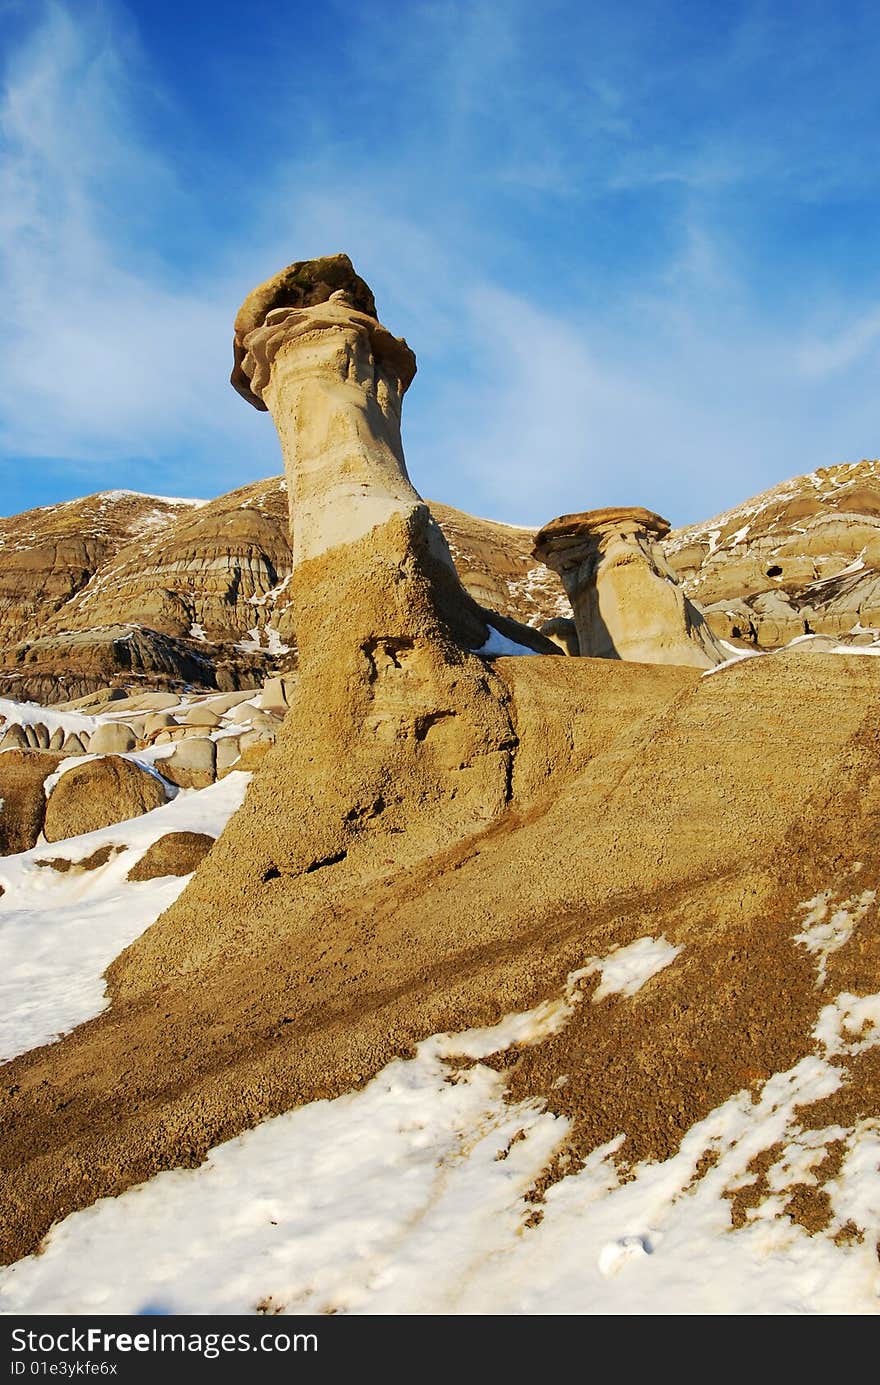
(49, 555)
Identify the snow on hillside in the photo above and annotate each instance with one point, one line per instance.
(60, 929)
(146, 495)
(413, 1194)
(826, 482)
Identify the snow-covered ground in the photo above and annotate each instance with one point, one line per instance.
(60, 930)
(411, 1196)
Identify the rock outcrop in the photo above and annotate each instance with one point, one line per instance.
(48, 556)
(802, 558)
(398, 741)
(177, 853)
(390, 709)
(205, 734)
(23, 774)
(102, 652)
(192, 764)
(626, 599)
(213, 581)
(98, 794)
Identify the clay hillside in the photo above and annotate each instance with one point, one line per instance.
(801, 558)
(512, 948)
(128, 590)
(135, 591)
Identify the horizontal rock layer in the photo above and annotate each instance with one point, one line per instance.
(145, 591)
(801, 558)
(179, 592)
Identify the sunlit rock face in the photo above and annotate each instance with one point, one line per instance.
(626, 599)
(799, 559)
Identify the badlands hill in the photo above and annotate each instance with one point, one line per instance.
(498, 981)
(143, 592)
(801, 558)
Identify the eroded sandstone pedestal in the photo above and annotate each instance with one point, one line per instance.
(626, 599)
(398, 740)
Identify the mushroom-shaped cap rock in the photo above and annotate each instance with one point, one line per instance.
(625, 597)
(303, 284)
(567, 530)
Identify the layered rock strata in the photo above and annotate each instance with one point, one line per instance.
(48, 556)
(144, 591)
(626, 599)
(197, 593)
(802, 558)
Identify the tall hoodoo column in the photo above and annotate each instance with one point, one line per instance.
(626, 599)
(309, 348)
(396, 726)
(398, 743)
(333, 379)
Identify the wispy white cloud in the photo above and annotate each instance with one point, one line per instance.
(822, 356)
(109, 354)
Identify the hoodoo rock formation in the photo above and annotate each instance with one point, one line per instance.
(384, 626)
(626, 599)
(398, 741)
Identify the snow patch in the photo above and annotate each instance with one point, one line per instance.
(272, 595)
(824, 932)
(254, 643)
(60, 931)
(32, 714)
(625, 970)
(736, 658)
(740, 536)
(143, 495)
(274, 643)
(498, 645)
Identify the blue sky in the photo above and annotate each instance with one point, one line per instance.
(634, 247)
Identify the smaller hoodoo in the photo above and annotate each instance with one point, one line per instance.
(626, 599)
